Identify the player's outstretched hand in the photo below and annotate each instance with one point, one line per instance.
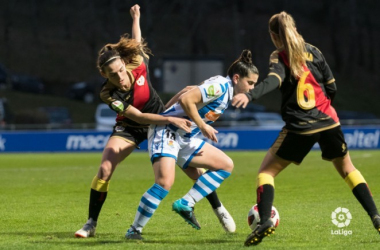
(209, 132)
(135, 11)
(240, 100)
(181, 123)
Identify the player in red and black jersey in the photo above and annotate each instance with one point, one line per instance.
(129, 92)
(308, 87)
(306, 105)
(140, 94)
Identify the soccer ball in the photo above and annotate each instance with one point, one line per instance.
(254, 217)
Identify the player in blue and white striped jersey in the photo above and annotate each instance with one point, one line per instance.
(216, 93)
(169, 145)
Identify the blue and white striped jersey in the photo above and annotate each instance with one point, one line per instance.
(217, 92)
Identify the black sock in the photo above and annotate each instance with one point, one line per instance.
(364, 196)
(214, 200)
(96, 202)
(265, 196)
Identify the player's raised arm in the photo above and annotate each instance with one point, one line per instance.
(136, 30)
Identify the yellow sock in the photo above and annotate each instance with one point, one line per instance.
(264, 178)
(99, 184)
(354, 178)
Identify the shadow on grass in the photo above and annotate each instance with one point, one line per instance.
(50, 235)
(67, 238)
(190, 241)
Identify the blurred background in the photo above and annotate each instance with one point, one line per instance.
(48, 52)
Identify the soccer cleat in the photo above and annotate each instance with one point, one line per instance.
(187, 213)
(225, 219)
(261, 231)
(133, 234)
(88, 230)
(376, 222)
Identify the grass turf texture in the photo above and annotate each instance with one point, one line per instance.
(44, 200)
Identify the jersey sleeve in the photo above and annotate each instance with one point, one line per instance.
(274, 79)
(327, 76)
(324, 67)
(276, 67)
(108, 94)
(267, 85)
(329, 80)
(212, 88)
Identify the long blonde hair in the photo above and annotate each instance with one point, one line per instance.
(126, 49)
(284, 34)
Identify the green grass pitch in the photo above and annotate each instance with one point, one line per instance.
(44, 200)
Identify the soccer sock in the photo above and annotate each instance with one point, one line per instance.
(265, 195)
(148, 205)
(214, 200)
(360, 189)
(205, 185)
(98, 195)
(213, 197)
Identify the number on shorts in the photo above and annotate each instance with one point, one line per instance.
(170, 134)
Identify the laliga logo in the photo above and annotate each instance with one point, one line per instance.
(341, 217)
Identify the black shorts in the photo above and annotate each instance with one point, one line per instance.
(294, 147)
(132, 135)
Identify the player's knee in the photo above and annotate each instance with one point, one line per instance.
(166, 183)
(229, 164)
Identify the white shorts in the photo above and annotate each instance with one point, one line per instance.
(165, 142)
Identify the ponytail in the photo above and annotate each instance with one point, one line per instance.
(126, 49)
(243, 65)
(284, 31)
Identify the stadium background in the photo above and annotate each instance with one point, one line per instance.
(45, 197)
(58, 40)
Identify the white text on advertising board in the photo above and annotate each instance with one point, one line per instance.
(88, 142)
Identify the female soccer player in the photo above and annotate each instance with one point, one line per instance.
(169, 145)
(129, 92)
(308, 88)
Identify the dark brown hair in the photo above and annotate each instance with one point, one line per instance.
(243, 65)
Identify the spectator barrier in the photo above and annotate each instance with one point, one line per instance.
(229, 139)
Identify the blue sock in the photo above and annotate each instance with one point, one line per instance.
(148, 205)
(205, 185)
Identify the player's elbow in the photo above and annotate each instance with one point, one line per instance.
(182, 100)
